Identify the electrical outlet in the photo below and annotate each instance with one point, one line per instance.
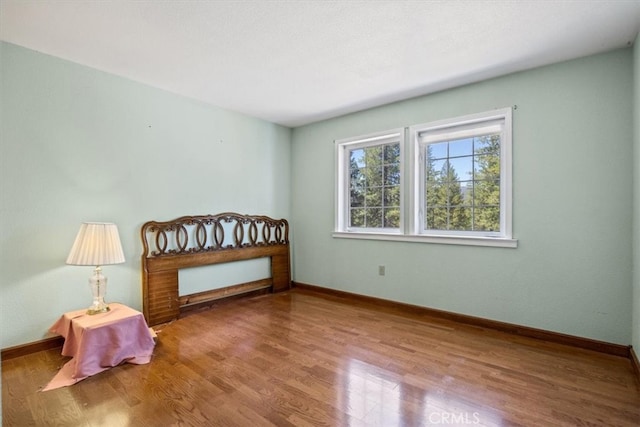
(381, 270)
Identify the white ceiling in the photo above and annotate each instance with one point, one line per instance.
(296, 62)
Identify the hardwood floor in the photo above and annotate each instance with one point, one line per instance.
(305, 359)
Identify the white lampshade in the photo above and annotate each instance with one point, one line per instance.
(96, 244)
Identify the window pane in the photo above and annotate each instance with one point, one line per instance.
(429, 219)
(392, 218)
(357, 176)
(463, 167)
(440, 167)
(460, 218)
(357, 198)
(392, 175)
(437, 219)
(374, 176)
(487, 193)
(449, 173)
(356, 218)
(373, 218)
(487, 218)
(391, 196)
(488, 144)
(431, 173)
(438, 151)
(487, 166)
(392, 153)
(466, 187)
(461, 147)
(373, 197)
(357, 158)
(373, 155)
(434, 194)
(454, 194)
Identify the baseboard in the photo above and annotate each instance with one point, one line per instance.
(33, 347)
(555, 337)
(586, 343)
(635, 362)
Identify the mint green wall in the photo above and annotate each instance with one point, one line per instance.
(572, 174)
(82, 145)
(78, 144)
(635, 327)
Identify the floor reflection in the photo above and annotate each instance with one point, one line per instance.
(373, 396)
(442, 409)
(369, 396)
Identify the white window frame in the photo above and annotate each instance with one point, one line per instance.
(343, 147)
(412, 187)
(497, 121)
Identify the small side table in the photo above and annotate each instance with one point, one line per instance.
(100, 341)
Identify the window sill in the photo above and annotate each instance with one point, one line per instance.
(496, 242)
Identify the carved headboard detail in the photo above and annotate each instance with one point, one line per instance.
(192, 241)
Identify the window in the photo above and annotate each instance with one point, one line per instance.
(370, 183)
(463, 176)
(458, 183)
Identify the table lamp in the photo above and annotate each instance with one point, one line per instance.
(97, 244)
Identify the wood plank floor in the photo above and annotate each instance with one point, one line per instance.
(304, 359)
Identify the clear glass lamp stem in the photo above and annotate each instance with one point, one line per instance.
(98, 284)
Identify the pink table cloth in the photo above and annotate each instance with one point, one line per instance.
(100, 341)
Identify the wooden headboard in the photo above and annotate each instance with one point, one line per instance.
(192, 241)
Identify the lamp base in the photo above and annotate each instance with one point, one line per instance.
(98, 309)
(98, 285)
